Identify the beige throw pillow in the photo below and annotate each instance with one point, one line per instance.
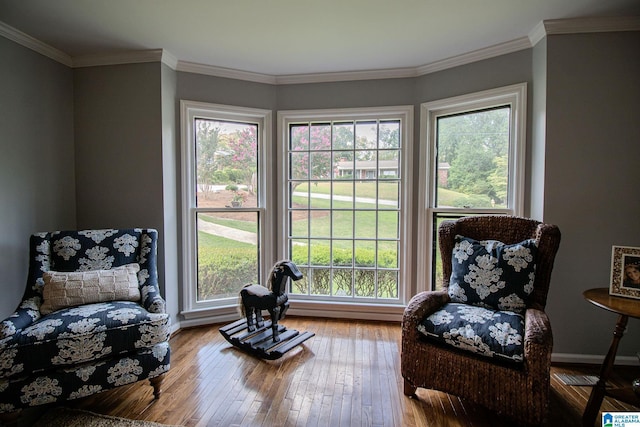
(62, 290)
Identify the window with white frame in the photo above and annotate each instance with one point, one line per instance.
(473, 154)
(224, 202)
(346, 202)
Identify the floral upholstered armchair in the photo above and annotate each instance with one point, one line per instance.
(91, 319)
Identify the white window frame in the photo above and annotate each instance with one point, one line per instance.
(356, 309)
(514, 96)
(219, 310)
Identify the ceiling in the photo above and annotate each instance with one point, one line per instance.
(294, 37)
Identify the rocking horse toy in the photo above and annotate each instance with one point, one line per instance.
(266, 338)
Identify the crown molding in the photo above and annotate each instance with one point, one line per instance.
(34, 44)
(541, 30)
(118, 58)
(169, 60)
(584, 25)
(394, 73)
(475, 56)
(210, 70)
(537, 33)
(592, 25)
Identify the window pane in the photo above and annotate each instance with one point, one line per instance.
(344, 198)
(300, 195)
(473, 153)
(388, 225)
(366, 193)
(320, 281)
(365, 224)
(366, 135)
(389, 134)
(300, 286)
(342, 282)
(437, 258)
(227, 253)
(300, 160)
(388, 254)
(226, 163)
(365, 283)
(388, 195)
(343, 165)
(320, 136)
(387, 280)
(299, 138)
(389, 164)
(343, 224)
(320, 224)
(343, 136)
(320, 165)
(342, 253)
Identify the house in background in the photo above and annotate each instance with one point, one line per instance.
(371, 169)
(98, 145)
(367, 169)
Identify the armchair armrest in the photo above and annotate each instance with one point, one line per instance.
(420, 306)
(26, 313)
(152, 301)
(538, 339)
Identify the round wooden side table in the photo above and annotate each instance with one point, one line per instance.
(625, 308)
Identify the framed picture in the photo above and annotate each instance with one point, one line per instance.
(625, 272)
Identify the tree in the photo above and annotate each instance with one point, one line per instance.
(476, 147)
(207, 139)
(311, 155)
(243, 146)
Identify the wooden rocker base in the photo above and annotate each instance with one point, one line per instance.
(260, 343)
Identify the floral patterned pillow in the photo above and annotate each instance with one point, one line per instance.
(492, 274)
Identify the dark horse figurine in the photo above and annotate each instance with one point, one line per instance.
(266, 338)
(273, 298)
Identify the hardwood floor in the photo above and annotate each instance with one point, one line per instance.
(347, 375)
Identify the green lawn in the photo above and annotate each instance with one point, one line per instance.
(386, 190)
(232, 223)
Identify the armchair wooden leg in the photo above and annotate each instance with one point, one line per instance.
(409, 389)
(156, 383)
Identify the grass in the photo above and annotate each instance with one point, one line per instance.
(231, 223)
(386, 190)
(206, 241)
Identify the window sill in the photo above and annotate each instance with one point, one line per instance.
(361, 311)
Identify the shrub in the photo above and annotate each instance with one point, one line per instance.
(365, 278)
(222, 272)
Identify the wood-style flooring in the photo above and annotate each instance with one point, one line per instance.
(347, 375)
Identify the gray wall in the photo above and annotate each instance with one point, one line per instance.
(118, 135)
(37, 177)
(125, 156)
(581, 156)
(592, 178)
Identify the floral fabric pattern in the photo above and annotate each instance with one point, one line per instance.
(492, 274)
(491, 333)
(78, 351)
